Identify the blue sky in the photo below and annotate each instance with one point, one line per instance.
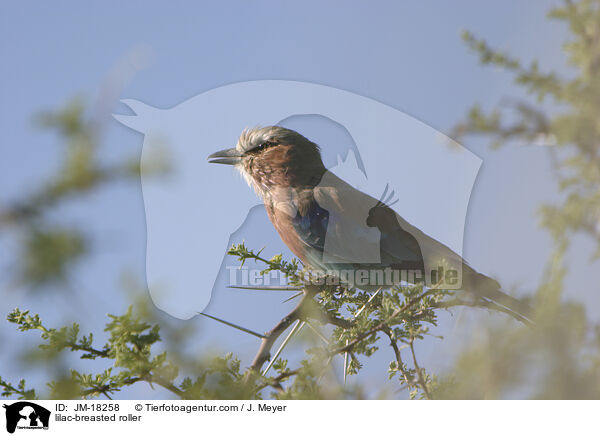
(406, 55)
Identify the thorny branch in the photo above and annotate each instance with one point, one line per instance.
(264, 351)
(308, 308)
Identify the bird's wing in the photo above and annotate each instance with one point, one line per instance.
(397, 239)
(348, 239)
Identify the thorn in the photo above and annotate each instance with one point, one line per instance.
(260, 251)
(368, 301)
(292, 297)
(316, 330)
(266, 288)
(297, 327)
(258, 335)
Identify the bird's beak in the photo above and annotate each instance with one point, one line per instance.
(230, 156)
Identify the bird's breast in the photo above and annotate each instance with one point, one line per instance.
(302, 229)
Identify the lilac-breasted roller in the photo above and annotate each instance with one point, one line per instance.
(333, 227)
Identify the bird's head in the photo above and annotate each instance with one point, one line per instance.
(274, 156)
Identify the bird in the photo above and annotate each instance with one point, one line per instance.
(340, 231)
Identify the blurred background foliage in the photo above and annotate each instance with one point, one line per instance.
(558, 358)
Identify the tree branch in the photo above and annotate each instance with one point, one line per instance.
(264, 351)
(419, 371)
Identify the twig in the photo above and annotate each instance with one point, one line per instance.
(267, 288)
(419, 371)
(382, 324)
(346, 364)
(336, 321)
(398, 356)
(151, 378)
(276, 382)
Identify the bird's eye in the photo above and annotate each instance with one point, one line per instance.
(265, 145)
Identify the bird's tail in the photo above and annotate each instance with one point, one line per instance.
(489, 289)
